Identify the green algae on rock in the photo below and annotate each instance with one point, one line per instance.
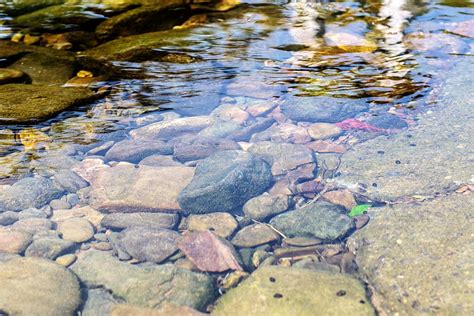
(291, 291)
(23, 103)
(34, 286)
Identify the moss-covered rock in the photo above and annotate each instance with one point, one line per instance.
(59, 17)
(143, 19)
(19, 7)
(137, 48)
(290, 291)
(23, 103)
(40, 64)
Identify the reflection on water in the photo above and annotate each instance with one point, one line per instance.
(371, 50)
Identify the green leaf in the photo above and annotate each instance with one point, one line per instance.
(359, 210)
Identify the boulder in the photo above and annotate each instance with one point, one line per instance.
(224, 182)
(291, 291)
(34, 286)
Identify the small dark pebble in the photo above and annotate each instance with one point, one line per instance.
(398, 162)
(413, 145)
(277, 295)
(381, 152)
(362, 301)
(374, 185)
(212, 229)
(272, 279)
(341, 293)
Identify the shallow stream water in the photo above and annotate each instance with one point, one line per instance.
(265, 73)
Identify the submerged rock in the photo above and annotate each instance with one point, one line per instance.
(49, 247)
(319, 220)
(147, 286)
(416, 258)
(210, 253)
(34, 286)
(291, 291)
(14, 241)
(255, 235)
(173, 128)
(322, 109)
(76, 229)
(284, 157)
(133, 188)
(135, 150)
(33, 192)
(23, 103)
(221, 224)
(151, 220)
(150, 18)
(265, 206)
(224, 182)
(149, 244)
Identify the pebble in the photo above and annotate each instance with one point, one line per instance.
(49, 247)
(76, 229)
(59, 205)
(102, 246)
(8, 218)
(33, 225)
(266, 206)
(221, 224)
(255, 235)
(149, 244)
(224, 182)
(66, 260)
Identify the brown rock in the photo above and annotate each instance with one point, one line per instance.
(322, 146)
(130, 188)
(209, 252)
(221, 224)
(14, 242)
(324, 131)
(343, 198)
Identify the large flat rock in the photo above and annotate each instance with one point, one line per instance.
(432, 157)
(290, 291)
(418, 259)
(132, 188)
(147, 286)
(25, 103)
